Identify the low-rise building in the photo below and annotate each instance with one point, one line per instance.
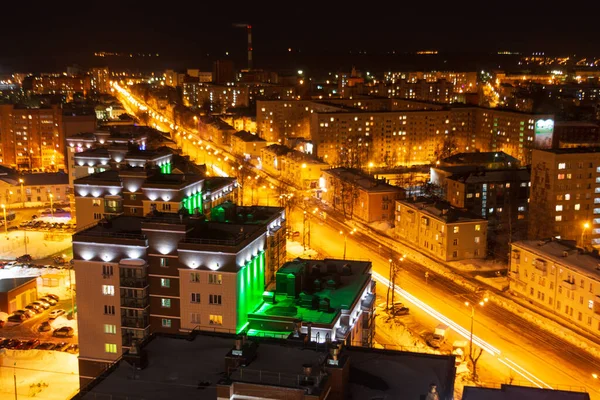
(556, 276)
(247, 145)
(358, 195)
(16, 293)
(300, 169)
(29, 190)
(440, 230)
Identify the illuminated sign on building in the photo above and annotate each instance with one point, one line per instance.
(544, 128)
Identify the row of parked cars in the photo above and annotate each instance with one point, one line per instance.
(36, 224)
(36, 307)
(31, 344)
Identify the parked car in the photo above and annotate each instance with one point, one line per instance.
(24, 224)
(73, 349)
(25, 258)
(10, 264)
(47, 346)
(13, 228)
(438, 337)
(27, 313)
(53, 296)
(62, 346)
(17, 318)
(3, 342)
(56, 313)
(30, 344)
(12, 343)
(65, 331)
(42, 304)
(45, 327)
(35, 308)
(49, 300)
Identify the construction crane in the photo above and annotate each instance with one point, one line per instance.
(249, 28)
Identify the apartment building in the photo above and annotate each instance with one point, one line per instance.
(358, 195)
(32, 138)
(556, 276)
(442, 231)
(293, 166)
(565, 187)
(62, 84)
(247, 145)
(463, 82)
(217, 97)
(169, 273)
(440, 91)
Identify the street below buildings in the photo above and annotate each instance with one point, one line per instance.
(515, 350)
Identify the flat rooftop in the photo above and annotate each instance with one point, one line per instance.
(441, 211)
(510, 392)
(492, 175)
(176, 367)
(341, 298)
(364, 181)
(110, 177)
(582, 262)
(7, 285)
(571, 150)
(484, 157)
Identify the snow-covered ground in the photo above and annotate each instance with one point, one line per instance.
(39, 244)
(295, 249)
(40, 374)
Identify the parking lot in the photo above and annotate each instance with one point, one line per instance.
(14, 335)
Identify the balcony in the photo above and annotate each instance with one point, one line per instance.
(541, 266)
(133, 282)
(130, 335)
(569, 285)
(135, 322)
(140, 303)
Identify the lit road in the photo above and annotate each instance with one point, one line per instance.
(513, 348)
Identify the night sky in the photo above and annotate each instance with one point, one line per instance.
(38, 43)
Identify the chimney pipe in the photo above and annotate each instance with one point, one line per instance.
(238, 343)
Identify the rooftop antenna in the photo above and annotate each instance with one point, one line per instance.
(249, 28)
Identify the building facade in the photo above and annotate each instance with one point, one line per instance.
(440, 230)
(565, 195)
(556, 276)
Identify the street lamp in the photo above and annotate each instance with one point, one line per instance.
(22, 192)
(474, 360)
(51, 205)
(586, 225)
(346, 239)
(370, 167)
(5, 222)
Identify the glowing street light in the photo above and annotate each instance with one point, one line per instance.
(5, 222)
(22, 192)
(474, 360)
(586, 226)
(346, 239)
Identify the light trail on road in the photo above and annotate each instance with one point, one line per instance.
(465, 333)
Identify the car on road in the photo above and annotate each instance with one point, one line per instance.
(35, 308)
(53, 296)
(17, 318)
(62, 346)
(12, 343)
(49, 300)
(42, 304)
(29, 345)
(73, 349)
(65, 331)
(25, 258)
(47, 346)
(45, 327)
(56, 313)
(439, 336)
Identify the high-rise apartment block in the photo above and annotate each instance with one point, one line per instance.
(223, 72)
(62, 84)
(565, 195)
(401, 132)
(217, 97)
(170, 272)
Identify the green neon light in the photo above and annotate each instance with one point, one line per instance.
(250, 289)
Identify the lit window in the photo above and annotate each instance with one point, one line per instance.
(456, 229)
(477, 227)
(164, 262)
(590, 304)
(110, 347)
(108, 290)
(166, 303)
(561, 176)
(165, 323)
(477, 240)
(558, 218)
(477, 195)
(165, 282)
(559, 207)
(112, 329)
(562, 165)
(567, 196)
(469, 195)
(216, 319)
(577, 207)
(508, 185)
(521, 208)
(215, 279)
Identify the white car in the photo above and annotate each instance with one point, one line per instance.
(56, 313)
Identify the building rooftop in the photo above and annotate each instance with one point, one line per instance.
(278, 149)
(441, 211)
(565, 253)
(175, 181)
(7, 285)
(365, 182)
(44, 179)
(342, 295)
(510, 392)
(212, 183)
(478, 158)
(93, 153)
(279, 363)
(493, 175)
(110, 177)
(248, 137)
(571, 150)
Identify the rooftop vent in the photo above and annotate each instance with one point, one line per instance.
(347, 270)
